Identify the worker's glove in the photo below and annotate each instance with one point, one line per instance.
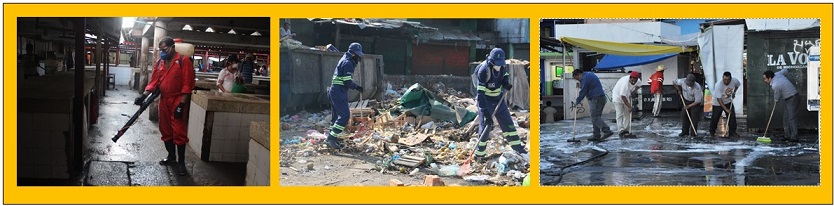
(178, 111)
(358, 88)
(139, 100)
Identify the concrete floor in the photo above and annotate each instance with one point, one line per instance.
(659, 157)
(134, 159)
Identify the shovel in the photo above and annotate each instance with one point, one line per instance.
(466, 167)
(764, 138)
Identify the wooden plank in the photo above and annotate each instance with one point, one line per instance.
(413, 139)
(410, 161)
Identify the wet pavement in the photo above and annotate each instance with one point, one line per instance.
(134, 159)
(657, 156)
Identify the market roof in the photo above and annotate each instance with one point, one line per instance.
(448, 35)
(374, 23)
(624, 49)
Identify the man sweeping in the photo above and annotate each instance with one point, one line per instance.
(338, 93)
(622, 102)
(722, 102)
(693, 97)
(592, 88)
(173, 75)
(784, 91)
(493, 83)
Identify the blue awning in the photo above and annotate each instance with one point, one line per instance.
(610, 61)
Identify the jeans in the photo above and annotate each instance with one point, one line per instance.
(597, 104)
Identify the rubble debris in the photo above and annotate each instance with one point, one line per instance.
(433, 180)
(411, 131)
(395, 182)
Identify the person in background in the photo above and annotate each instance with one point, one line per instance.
(248, 68)
(693, 95)
(550, 112)
(30, 62)
(783, 89)
(656, 81)
(227, 77)
(286, 33)
(591, 87)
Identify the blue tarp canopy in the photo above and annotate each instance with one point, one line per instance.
(610, 61)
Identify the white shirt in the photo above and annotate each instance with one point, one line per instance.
(550, 113)
(725, 92)
(623, 88)
(226, 79)
(693, 93)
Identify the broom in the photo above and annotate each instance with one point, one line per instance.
(764, 138)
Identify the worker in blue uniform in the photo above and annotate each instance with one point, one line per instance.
(493, 83)
(338, 93)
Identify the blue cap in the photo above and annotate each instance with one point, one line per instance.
(355, 48)
(496, 56)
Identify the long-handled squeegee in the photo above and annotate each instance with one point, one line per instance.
(575, 113)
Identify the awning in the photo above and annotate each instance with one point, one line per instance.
(610, 61)
(781, 24)
(624, 49)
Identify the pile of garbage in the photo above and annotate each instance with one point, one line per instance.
(414, 130)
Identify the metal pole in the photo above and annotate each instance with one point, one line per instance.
(78, 98)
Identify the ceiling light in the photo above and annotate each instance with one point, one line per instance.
(209, 30)
(187, 28)
(232, 31)
(255, 33)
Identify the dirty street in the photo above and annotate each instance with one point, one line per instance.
(404, 110)
(659, 157)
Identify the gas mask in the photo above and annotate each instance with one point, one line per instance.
(496, 68)
(234, 65)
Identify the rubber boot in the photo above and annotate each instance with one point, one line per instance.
(181, 160)
(333, 142)
(172, 157)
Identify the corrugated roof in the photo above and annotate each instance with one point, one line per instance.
(448, 35)
(374, 23)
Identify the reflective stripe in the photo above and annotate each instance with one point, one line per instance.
(482, 143)
(480, 153)
(340, 80)
(336, 126)
(513, 133)
(490, 92)
(517, 142)
(334, 134)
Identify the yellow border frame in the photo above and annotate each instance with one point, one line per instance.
(380, 195)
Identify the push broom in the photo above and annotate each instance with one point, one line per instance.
(764, 138)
